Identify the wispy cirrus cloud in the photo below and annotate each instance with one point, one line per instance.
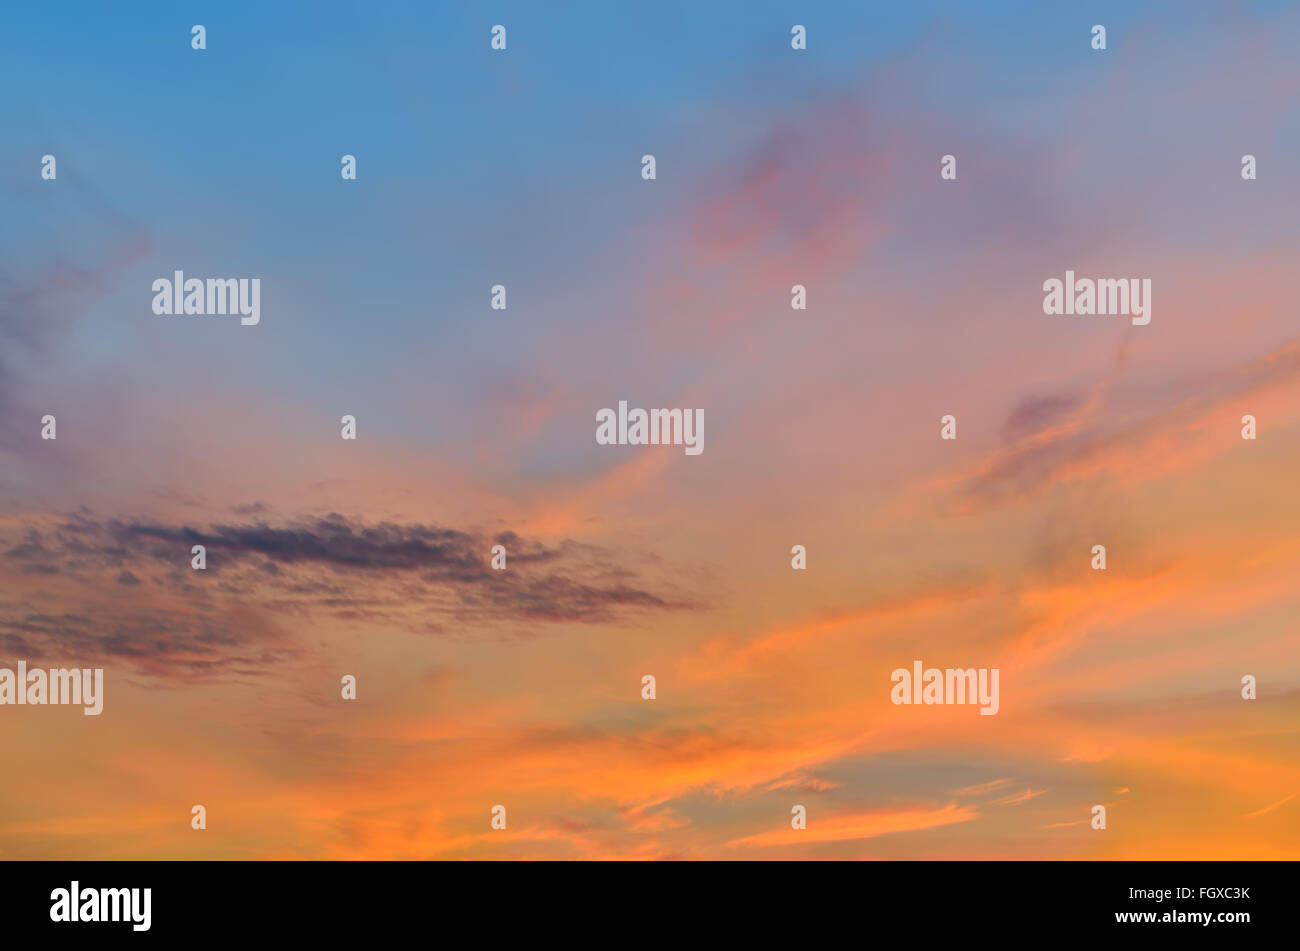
(864, 825)
(1074, 434)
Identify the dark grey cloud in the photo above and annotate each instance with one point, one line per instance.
(125, 588)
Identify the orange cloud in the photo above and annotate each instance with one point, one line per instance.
(863, 825)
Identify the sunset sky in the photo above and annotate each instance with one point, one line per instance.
(476, 427)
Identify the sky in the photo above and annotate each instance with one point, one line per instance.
(476, 427)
